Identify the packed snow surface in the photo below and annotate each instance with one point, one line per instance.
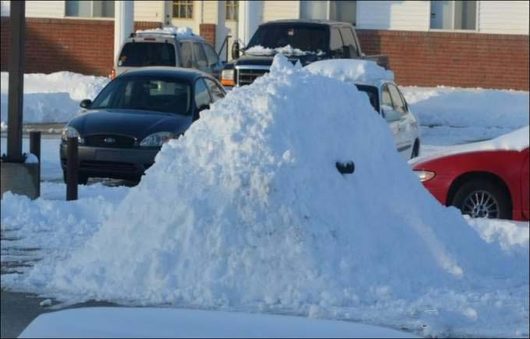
(52, 97)
(114, 322)
(350, 70)
(247, 212)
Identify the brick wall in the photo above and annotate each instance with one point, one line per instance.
(417, 58)
(207, 31)
(452, 59)
(77, 45)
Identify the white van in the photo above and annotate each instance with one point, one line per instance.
(169, 46)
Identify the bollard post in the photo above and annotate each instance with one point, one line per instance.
(72, 168)
(34, 148)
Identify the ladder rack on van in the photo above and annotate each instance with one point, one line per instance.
(138, 34)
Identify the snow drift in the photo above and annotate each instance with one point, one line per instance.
(247, 211)
(52, 97)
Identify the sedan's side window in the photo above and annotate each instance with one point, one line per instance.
(399, 105)
(216, 92)
(387, 106)
(386, 100)
(202, 97)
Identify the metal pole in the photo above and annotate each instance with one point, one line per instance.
(16, 82)
(34, 148)
(72, 168)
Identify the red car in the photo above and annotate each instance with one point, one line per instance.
(481, 183)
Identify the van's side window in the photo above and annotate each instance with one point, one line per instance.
(199, 58)
(186, 54)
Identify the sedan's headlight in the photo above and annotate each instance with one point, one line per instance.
(156, 139)
(227, 77)
(70, 132)
(425, 175)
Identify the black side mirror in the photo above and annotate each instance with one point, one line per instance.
(85, 103)
(345, 167)
(235, 50)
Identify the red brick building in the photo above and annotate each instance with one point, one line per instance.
(429, 43)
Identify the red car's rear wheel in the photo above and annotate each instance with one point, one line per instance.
(481, 198)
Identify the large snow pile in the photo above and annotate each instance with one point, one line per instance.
(247, 211)
(351, 70)
(52, 97)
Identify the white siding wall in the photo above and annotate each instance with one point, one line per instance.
(503, 17)
(45, 9)
(276, 10)
(394, 15)
(149, 11)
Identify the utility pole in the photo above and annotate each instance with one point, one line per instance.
(16, 82)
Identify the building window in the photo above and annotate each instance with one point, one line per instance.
(454, 15)
(183, 9)
(313, 9)
(232, 9)
(89, 9)
(345, 11)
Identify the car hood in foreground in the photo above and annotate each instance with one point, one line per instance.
(134, 123)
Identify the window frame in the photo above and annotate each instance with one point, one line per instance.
(452, 29)
(92, 10)
(176, 4)
(234, 6)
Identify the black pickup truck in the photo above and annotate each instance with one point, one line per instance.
(300, 40)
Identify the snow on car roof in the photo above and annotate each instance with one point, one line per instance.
(351, 70)
(180, 32)
(514, 141)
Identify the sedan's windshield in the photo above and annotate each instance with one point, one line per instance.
(145, 93)
(305, 38)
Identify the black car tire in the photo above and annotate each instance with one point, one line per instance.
(483, 198)
(82, 179)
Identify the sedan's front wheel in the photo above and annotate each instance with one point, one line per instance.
(481, 198)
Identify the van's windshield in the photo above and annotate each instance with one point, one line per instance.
(302, 37)
(138, 54)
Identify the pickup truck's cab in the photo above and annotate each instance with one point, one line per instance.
(300, 40)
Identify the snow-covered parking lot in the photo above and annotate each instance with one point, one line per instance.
(247, 213)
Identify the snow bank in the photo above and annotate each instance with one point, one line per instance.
(147, 322)
(466, 114)
(357, 71)
(52, 97)
(183, 32)
(247, 211)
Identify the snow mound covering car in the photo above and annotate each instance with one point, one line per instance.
(351, 70)
(247, 211)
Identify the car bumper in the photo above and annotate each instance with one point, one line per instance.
(119, 163)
